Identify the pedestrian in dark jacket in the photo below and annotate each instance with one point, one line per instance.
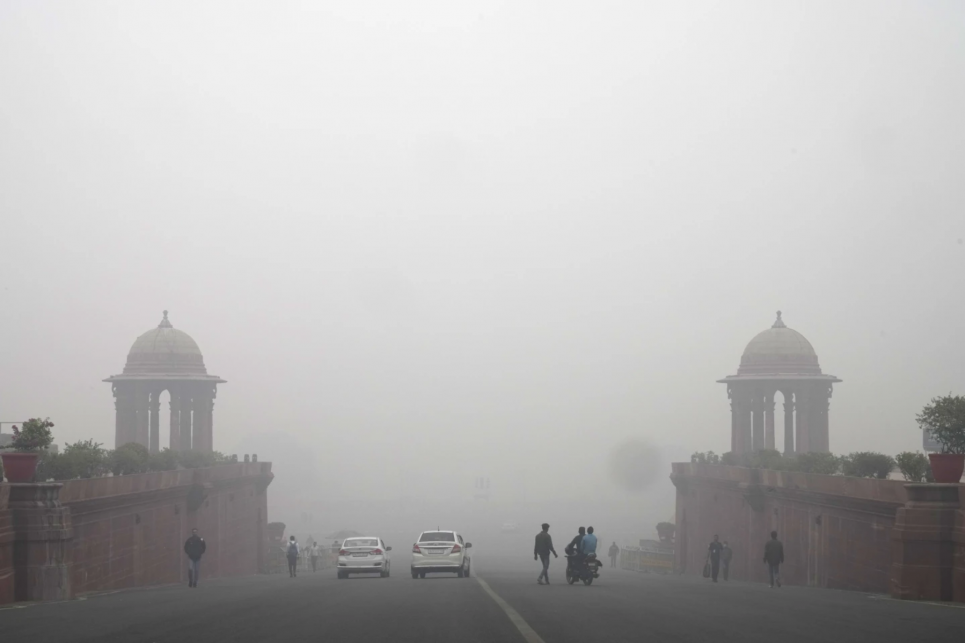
(292, 555)
(614, 552)
(774, 556)
(542, 550)
(194, 547)
(713, 556)
(726, 554)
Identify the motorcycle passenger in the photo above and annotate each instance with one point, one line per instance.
(589, 542)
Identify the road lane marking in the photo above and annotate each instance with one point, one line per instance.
(528, 633)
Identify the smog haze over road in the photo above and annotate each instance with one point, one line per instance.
(428, 242)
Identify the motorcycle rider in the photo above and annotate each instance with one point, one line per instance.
(574, 550)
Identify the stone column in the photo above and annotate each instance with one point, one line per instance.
(788, 423)
(142, 401)
(125, 426)
(757, 421)
(802, 400)
(199, 440)
(769, 421)
(42, 531)
(928, 555)
(175, 437)
(735, 442)
(155, 411)
(184, 426)
(820, 440)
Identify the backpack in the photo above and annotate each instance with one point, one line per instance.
(293, 549)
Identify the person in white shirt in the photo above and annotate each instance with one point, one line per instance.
(313, 553)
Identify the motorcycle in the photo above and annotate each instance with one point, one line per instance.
(585, 570)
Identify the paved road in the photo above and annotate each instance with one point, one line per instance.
(621, 606)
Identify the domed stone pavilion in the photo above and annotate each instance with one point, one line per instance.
(779, 359)
(165, 359)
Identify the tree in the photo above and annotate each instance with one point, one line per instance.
(944, 417)
(129, 458)
(705, 458)
(83, 459)
(867, 464)
(163, 460)
(914, 466)
(816, 462)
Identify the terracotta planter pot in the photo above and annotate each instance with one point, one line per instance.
(945, 467)
(19, 467)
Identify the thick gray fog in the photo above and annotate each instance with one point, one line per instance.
(428, 241)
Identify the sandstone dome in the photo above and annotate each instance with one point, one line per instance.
(165, 350)
(779, 350)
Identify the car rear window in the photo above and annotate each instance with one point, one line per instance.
(361, 542)
(437, 536)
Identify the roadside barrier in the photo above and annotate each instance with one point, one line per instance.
(637, 559)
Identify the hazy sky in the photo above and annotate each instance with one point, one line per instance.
(483, 235)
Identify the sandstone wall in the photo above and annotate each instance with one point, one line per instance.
(129, 531)
(837, 531)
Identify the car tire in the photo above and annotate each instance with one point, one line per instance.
(415, 574)
(342, 575)
(384, 573)
(468, 569)
(422, 574)
(461, 573)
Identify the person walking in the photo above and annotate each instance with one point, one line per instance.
(313, 553)
(292, 554)
(614, 552)
(194, 547)
(725, 555)
(774, 556)
(542, 551)
(713, 555)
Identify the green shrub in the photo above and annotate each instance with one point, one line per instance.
(129, 458)
(163, 460)
(32, 435)
(867, 464)
(914, 466)
(708, 457)
(816, 462)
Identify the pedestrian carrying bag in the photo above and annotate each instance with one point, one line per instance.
(707, 570)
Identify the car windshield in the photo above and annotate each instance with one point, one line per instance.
(436, 536)
(361, 542)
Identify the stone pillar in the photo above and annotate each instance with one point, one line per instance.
(141, 402)
(199, 438)
(757, 421)
(788, 423)
(184, 425)
(155, 410)
(175, 437)
(820, 440)
(802, 400)
(125, 426)
(42, 531)
(735, 442)
(740, 438)
(769, 421)
(928, 552)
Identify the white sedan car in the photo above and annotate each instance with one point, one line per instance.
(440, 551)
(364, 555)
